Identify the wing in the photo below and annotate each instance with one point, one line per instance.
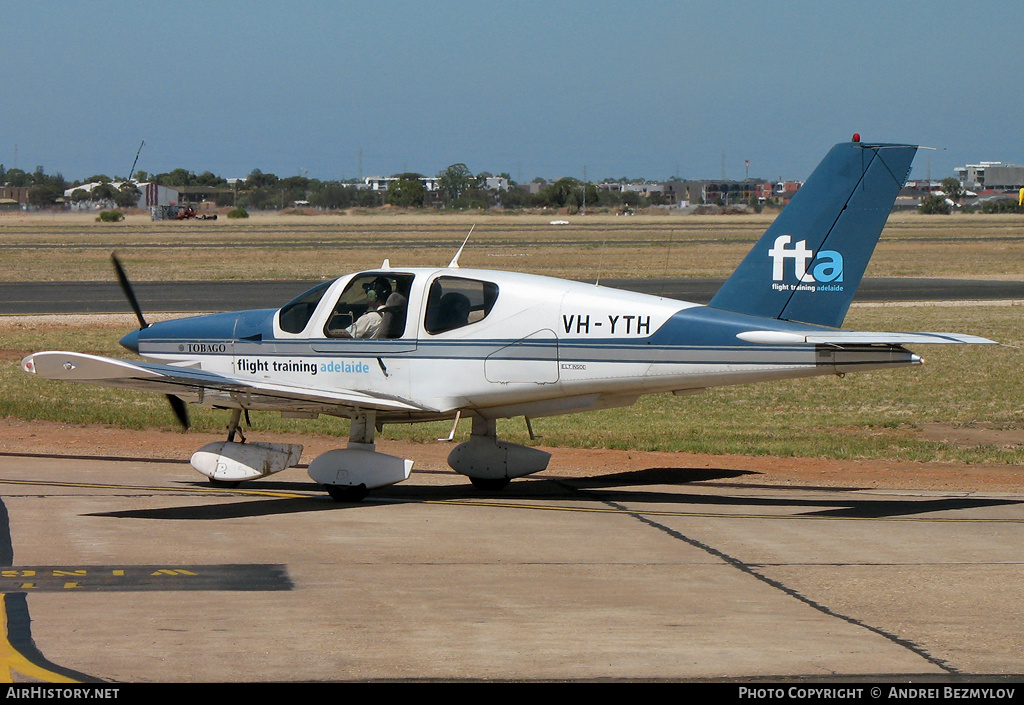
(206, 387)
(845, 337)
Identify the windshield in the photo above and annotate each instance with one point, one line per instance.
(295, 314)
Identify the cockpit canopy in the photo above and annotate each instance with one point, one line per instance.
(452, 302)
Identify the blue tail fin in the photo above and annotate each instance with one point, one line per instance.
(809, 262)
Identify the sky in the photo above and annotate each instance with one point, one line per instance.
(596, 89)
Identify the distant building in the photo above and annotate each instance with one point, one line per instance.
(157, 195)
(197, 194)
(382, 183)
(923, 186)
(13, 197)
(914, 191)
(677, 193)
(684, 193)
(785, 190)
(152, 194)
(991, 176)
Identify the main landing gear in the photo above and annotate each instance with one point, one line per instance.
(348, 474)
(490, 463)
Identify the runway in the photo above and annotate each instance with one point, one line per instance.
(23, 298)
(136, 570)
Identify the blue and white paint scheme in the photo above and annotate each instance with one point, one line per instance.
(486, 344)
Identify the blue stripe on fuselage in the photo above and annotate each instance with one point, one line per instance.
(697, 327)
(706, 326)
(694, 334)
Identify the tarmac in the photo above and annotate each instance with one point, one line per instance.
(135, 570)
(27, 298)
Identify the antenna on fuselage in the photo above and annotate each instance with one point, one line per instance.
(454, 264)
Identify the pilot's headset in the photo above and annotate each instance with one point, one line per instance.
(378, 290)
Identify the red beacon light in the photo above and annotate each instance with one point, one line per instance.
(856, 137)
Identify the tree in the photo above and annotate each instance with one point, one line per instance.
(294, 188)
(44, 195)
(368, 198)
(207, 178)
(934, 205)
(518, 198)
(953, 190)
(127, 196)
(564, 192)
(631, 199)
(257, 179)
(408, 193)
(17, 177)
(331, 196)
(103, 192)
(454, 181)
(176, 177)
(258, 198)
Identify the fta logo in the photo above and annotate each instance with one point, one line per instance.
(824, 267)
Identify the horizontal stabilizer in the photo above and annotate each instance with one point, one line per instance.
(842, 337)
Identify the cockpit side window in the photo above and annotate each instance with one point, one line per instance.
(373, 305)
(295, 314)
(454, 302)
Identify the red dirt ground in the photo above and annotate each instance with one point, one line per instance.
(19, 437)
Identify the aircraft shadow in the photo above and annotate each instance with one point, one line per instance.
(635, 488)
(109, 458)
(231, 510)
(849, 507)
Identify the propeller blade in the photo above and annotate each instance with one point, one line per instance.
(129, 293)
(179, 407)
(180, 411)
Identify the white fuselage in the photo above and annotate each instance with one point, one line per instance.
(536, 346)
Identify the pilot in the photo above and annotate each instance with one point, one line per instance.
(377, 293)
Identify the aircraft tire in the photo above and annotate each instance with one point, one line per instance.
(491, 484)
(343, 493)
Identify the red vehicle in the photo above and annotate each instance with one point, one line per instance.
(188, 212)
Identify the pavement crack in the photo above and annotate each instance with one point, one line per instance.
(782, 587)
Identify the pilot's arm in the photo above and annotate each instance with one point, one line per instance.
(364, 327)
